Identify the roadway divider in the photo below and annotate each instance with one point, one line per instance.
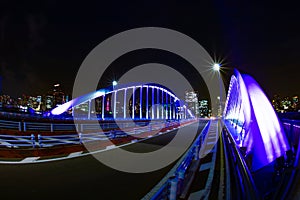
(174, 185)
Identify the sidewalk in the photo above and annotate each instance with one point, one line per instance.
(203, 180)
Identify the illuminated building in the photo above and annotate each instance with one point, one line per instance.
(58, 95)
(286, 104)
(295, 103)
(203, 108)
(276, 102)
(191, 99)
(48, 102)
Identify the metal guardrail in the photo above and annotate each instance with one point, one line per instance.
(52, 127)
(173, 186)
(46, 141)
(243, 175)
(12, 125)
(292, 129)
(14, 141)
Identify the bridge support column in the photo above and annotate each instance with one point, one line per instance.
(115, 105)
(167, 106)
(162, 103)
(157, 103)
(124, 104)
(102, 110)
(170, 112)
(141, 102)
(133, 102)
(152, 101)
(174, 109)
(147, 102)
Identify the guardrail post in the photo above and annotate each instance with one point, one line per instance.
(51, 128)
(173, 189)
(24, 123)
(80, 138)
(111, 134)
(33, 140)
(40, 140)
(20, 126)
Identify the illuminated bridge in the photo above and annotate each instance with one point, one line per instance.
(248, 153)
(145, 101)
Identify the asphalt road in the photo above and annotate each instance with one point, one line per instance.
(82, 177)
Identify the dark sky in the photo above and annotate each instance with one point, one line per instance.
(45, 43)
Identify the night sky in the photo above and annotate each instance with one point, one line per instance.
(44, 43)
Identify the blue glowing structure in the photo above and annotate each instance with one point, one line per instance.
(143, 99)
(254, 121)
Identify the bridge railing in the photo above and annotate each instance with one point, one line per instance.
(292, 129)
(14, 141)
(82, 127)
(243, 176)
(12, 125)
(174, 185)
(46, 141)
(69, 139)
(81, 138)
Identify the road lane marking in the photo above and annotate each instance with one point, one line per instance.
(82, 154)
(29, 159)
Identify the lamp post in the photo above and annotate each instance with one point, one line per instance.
(216, 68)
(114, 83)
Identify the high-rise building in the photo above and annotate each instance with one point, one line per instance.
(295, 103)
(58, 96)
(286, 104)
(48, 102)
(276, 102)
(204, 108)
(191, 100)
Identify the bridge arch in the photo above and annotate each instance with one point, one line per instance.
(131, 101)
(253, 122)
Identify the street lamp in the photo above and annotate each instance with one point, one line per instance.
(114, 83)
(216, 67)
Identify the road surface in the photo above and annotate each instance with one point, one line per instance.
(83, 177)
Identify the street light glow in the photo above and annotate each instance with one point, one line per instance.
(115, 83)
(216, 67)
